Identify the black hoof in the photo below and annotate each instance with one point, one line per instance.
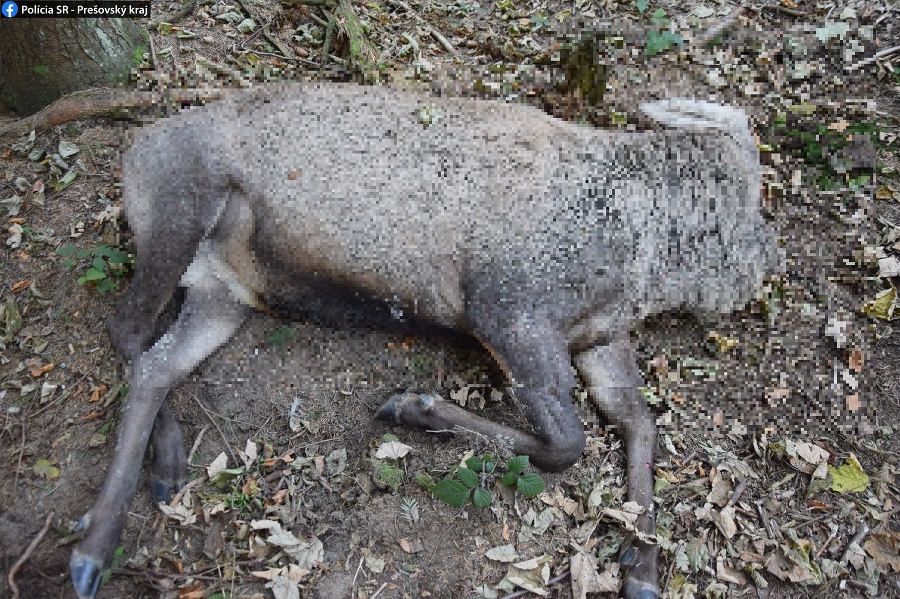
(629, 557)
(635, 589)
(390, 411)
(83, 523)
(161, 491)
(86, 575)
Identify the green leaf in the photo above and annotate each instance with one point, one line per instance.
(489, 466)
(66, 180)
(518, 463)
(641, 5)
(850, 477)
(451, 492)
(658, 14)
(66, 250)
(92, 275)
(509, 479)
(530, 484)
(467, 477)
(105, 286)
(475, 463)
(99, 264)
(117, 257)
(481, 497)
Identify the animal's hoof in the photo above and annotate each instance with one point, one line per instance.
(635, 589)
(390, 411)
(393, 409)
(86, 575)
(83, 523)
(629, 557)
(161, 491)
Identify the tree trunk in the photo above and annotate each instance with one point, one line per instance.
(43, 59)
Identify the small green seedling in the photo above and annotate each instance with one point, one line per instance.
(107, 265)
(279, 336)
(118, 560)
(660, 39)
(478, 471)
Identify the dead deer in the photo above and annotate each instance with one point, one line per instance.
(547, 240)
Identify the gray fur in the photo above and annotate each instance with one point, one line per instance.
(546, 240)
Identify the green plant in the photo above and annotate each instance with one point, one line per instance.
(107, 265)
(480, 470)
(409, 509)
(659, 39)
(118, 560)
(280, 335)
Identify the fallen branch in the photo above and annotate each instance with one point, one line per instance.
(102, 102)
(719, 28)
(11, 577)
(876, 57)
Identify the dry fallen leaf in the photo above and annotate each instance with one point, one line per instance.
(21, 285)
(586, 577)
(42, 370)
(411, 546)
(392, 450)
(885, 549)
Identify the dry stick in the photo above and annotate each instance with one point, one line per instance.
(551, 582)
(738, 491)
(184, 575)
(440, 38)
(810, 521)
(11, 577)
(153, 58)
(878, 56)
(381, 588)
(358, 570)
(103, 102)
(831, 536)
(21, 455)
(215, 424)
(179, 15)
(861, 531)
(785, 10)
(719, 28)
(190, 455)
(185, 489)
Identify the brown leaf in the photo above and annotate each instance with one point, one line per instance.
(198, 591)
(20, 286)
(42, 370)
(885, 549)
(98, 392)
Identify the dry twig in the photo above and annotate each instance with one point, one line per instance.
(11, 577)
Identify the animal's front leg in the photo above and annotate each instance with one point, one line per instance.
(209, 317)
(613, 380)
(533, 352)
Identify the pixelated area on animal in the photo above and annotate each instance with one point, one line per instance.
(577, 218)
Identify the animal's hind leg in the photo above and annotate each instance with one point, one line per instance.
(535, 356)
(613, 379)
(168, 464)
(208, 318)
(166, 244)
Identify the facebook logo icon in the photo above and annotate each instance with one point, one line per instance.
(10, 9)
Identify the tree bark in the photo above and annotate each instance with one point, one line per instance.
(44, 59)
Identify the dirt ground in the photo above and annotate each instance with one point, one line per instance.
(778, 455)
